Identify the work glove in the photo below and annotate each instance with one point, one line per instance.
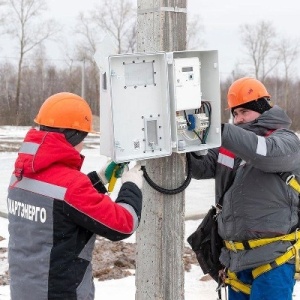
(134, 175)
(106, 172)
(101, 173)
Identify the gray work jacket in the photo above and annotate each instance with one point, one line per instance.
(256, 201)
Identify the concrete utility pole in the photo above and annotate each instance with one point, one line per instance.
(161, 26)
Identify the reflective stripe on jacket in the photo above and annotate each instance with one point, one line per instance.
(256, 202)
(54, 213)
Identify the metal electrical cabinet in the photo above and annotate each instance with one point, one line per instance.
(195, 100)
(135, 107)
(153, 104)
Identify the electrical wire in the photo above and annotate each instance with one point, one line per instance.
(189, 124)
(171, 191)
(188, 138)
(207, 110)
(207, 106)
(198, 136)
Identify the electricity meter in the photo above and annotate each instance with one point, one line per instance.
(153, 104)
(195, 100)
(187, 83)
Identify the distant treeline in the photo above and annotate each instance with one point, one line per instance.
(40, 81)
(285, 94)
(28, 77)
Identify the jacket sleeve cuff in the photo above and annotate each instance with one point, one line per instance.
(97, 183)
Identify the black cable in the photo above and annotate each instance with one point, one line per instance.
(208, 107)
(198, 136)
(171, 191)
(186, 118)
(189, 166)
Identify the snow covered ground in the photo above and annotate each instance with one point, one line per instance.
(199, 197)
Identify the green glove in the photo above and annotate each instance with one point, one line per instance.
(117, 173)
(119, 169)
(110, 170)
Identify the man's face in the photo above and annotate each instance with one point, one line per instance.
(242, 115)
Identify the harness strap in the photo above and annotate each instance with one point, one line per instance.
(236, 284)
(297, 261)
(251, 244)
(292, 252)
(290, 179)
(294, 184)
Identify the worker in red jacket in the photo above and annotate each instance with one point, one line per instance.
(55, 211)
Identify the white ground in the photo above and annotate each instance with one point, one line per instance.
(199, 197)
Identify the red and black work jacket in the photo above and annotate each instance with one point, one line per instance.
(54, 213)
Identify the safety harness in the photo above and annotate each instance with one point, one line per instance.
(292, 251)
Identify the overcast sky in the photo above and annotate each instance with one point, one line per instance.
(221, 20)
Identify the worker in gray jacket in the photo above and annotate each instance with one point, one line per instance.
(258, 210)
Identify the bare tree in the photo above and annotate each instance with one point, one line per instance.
(195, 32)
(7, 79)
(1, 15)
(90, 36)
(85, 50)
(2, 19)
(289, 51)
(260, 46)
(117, 18)
(25, 24)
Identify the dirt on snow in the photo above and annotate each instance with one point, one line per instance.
(111, 260)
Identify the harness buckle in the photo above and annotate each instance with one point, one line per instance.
(289, 178)
(233, 246)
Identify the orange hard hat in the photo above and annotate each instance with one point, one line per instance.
(245, 90)
(65, 110)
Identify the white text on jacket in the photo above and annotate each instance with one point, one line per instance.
(26, 211)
